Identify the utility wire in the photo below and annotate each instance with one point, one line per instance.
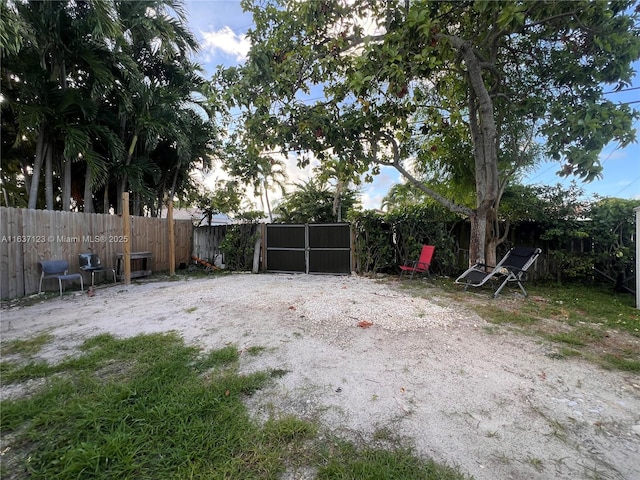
(621, 91)
(633, 182)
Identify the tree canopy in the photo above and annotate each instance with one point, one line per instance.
(314, 201)
(98, 97)
(469, 86)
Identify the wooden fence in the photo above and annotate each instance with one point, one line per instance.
(207, 240)
(28, 236)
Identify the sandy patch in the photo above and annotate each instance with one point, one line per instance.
(496, 405)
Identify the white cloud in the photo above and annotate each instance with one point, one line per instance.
(226, 41)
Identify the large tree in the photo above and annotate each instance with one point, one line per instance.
(366, 80)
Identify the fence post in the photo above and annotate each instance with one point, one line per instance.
(172, 240)
(637, 210)
(126, 231)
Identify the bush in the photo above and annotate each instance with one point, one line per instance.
(384, 241)
(373, 243)
(239, 242)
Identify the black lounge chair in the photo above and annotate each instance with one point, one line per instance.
(512, 268)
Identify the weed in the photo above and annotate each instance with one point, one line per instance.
(535, 463)
(491, 330)
(501, 458)
(255, 350)
(26, 347)
(570, 352)
(384, 435)
(191, 309)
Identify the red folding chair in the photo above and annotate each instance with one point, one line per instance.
(422, 264)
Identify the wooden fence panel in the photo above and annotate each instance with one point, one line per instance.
(11, 258)
(28, 236)
(184, 241)
(207, 240)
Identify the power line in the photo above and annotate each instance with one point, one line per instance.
(632, 182)
(621, 91)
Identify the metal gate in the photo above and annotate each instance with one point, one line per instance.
(308, 248)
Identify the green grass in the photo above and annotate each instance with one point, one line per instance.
(594, 305)
(587, 321)
(616, 362)
(29, 346)
(503, 316)
(150, 407)
(346, 461)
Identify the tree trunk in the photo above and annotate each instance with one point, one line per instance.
(37, 168)
(88, 193)
(122, 184)
(48, 178)
(106, 206)
(66, 185)
(337, 196)
(25, 174)
(484, 135)
(478, 233)
(137, 209)
(492, 243)
(120, 190)
(266, 199)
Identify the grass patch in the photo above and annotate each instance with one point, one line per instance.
(255, 350)
(345, 461)
(30, 346)
(591, 305)
(580, 336)
(150, 407)
(620, 363)
(592, 322)
(503, 316)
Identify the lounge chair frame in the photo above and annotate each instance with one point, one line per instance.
(512, 268)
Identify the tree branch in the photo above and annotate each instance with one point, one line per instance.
(397, 164)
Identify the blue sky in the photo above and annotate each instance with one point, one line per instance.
(219, 25)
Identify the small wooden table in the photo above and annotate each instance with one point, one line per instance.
(141, 264)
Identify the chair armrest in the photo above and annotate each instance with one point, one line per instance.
(483, 265)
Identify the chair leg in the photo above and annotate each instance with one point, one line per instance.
(506, 280)
(60, 283)
(522, 288)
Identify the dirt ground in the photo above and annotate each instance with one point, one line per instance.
(494, 403)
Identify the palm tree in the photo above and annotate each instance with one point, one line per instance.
(160, 45)
(314, 201)
(269, 174)
(93, 88)
(64, 54)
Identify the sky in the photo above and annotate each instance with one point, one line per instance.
(220, 26)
